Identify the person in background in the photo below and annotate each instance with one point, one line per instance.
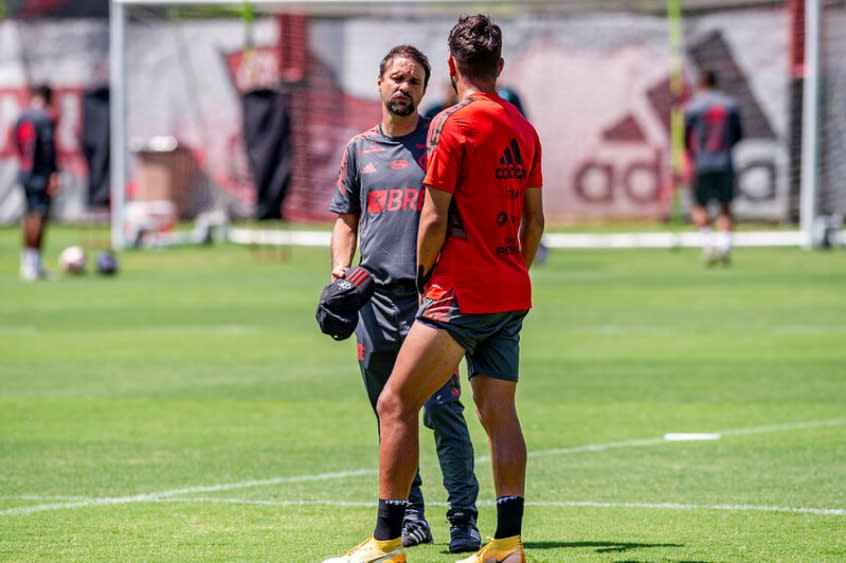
(35, 141)
(450, 98)
(712, 129)
(377, 201)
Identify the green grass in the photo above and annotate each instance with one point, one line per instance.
(189, 410)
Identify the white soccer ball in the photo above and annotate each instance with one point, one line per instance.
(72, 260)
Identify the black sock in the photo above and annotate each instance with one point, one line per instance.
(509, 517)
(389, 519)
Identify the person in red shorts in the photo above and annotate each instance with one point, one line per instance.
(480, 228)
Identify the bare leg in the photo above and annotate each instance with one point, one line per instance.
(427, 359)
(33, 230)
(498, 414)
(725, 221)
(699, 215)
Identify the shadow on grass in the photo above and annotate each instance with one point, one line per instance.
(601, 546)
(662, 561)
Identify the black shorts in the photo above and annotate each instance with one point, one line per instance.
(713, 186)
(37, 200)
(491, 340)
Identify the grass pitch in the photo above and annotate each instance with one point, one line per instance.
(190, 410)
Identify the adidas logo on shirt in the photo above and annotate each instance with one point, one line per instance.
(512, 163)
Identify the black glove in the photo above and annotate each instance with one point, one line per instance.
(423, 279)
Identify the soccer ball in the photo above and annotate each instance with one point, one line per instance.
(107, 264)
(72, 260)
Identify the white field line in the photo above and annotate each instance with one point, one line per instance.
(661, 239)
(162, 495)
(552, 503)
(656, 441)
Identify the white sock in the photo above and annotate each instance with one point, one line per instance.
(32, 259)
(707, 239)
(724, 242)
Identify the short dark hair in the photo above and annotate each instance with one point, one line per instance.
(476, 44)
(708, 78)
(408, 52)
(43, 91)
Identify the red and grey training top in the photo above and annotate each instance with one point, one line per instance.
(35, 141)
(381, 181)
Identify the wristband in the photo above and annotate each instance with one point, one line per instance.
(422, 279)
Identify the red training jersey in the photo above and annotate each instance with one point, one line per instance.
(486, 154)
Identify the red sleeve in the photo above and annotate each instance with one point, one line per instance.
(445, 149)
(25, 139)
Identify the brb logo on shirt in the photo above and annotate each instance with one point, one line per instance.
(394, 199)
(512, 163)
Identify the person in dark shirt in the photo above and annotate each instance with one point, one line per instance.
(712, 129)
(450, 99)
(35, 140)
(377, 200)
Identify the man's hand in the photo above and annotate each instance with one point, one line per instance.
(339, 272)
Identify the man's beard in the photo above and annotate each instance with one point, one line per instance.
(399, 108)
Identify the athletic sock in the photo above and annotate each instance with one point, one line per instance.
(389, 519)
(32, 259)
(707, 239)
(724, 242)
(509, 517)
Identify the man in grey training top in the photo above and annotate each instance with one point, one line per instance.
(378, 200)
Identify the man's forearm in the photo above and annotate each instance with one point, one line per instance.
(530, 237)
(343, 245)
(432, 229)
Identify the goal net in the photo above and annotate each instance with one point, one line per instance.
(204, 93)
(832, 116)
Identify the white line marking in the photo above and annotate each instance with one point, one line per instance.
(656, 441)
(691, 436)
(42, 497)
(784, 427)
(563, 503)
(153, 497)
(660, 239)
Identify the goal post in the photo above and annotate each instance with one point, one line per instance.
(810, 124)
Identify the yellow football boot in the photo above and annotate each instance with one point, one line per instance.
(373, 551)
(505, 550)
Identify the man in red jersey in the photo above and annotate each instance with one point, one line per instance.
(480, 228)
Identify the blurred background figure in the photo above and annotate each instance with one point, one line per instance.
(712, 129)
(35, 142)
(450, 99)
(510, 95)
